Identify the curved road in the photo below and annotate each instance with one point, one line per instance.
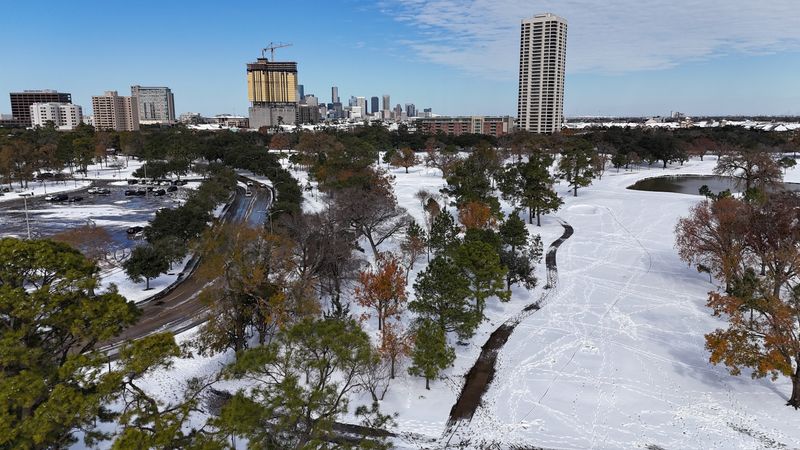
(482, 373)
(180, 308)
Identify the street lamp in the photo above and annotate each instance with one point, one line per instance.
(269, 216)
(27, 221)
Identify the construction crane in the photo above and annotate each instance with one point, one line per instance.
(272, 47)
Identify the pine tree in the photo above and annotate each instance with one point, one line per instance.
(530, 185)
(431, 354)
(480, 264)
(442, 295)
(146, 261)
(444, 233)
(576, 165)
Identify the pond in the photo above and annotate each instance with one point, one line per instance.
(690, 184)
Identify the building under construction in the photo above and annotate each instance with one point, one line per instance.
(272, 91)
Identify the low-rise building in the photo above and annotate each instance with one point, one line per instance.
(458, 125)
(64, 116)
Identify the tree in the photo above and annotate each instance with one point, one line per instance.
(575, 165)
(751, 167)
(279, 141)
(146, 261)
(480, 264)
(714, 236)
(93, 241)
(412, 247)
(442, 294)
(470, 180)
(51, 321)
(395, 344)
(520, 253)
(405, 157)
(303, 381)
(431, 354)
(530, 185)
(372, 214)
(444, 233)
(476, 215)
(787, 162)
(382, 289)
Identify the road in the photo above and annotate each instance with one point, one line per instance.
(181, 309)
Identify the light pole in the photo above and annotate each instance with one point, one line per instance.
(269, 216)
(27, 221)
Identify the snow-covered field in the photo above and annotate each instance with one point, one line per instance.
(615, 359)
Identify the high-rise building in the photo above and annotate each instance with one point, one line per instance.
(411, 110)
(115, 112)
(272, 92)
(155, 104)
(301, 92)
(64, 116)
(387, 106)
(21, 102)
(376, 106)
(311, 100)
(361, 102)
(542, 58)
(335, 95)
(398, 112)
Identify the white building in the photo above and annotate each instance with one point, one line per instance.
(542, 58)
(155, 105)
(356, 112)
(65, 116)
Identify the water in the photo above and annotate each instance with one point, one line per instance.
(690, 184)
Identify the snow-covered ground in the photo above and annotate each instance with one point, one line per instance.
(615, 359)
(136, 291)
(36, 189)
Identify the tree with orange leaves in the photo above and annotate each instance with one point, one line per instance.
(405, 157)
(476, 215)
(382, 288)
(395, 344)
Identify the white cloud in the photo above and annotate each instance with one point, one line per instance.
(616, 36)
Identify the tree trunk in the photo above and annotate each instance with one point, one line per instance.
(530, 215)
(406, 169)
(146, 283)
(794, 401)
(575, 191)
(391, 373)
(538, 217)
(427, 383)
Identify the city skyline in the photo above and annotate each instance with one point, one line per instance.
(712, 58)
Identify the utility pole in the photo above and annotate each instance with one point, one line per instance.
(27, 221)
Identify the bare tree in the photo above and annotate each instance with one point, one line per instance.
(751, 167)
(372, 214)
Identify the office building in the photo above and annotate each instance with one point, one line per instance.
(115, 112)
(335, 95)
(398, 112)
(311, 100)
(542, 58)
(356, 112)
(301, 92)
(64, 116)
(386, 104)
(376, 106)
(272, 92)
(21, 103)
(411, 110)
(456, 126)
(308, 114)
(190, 118)
(156, 105)
(361, 102)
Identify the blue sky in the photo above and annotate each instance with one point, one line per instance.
(624, 57)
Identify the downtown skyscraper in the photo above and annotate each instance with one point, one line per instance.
(542, 59)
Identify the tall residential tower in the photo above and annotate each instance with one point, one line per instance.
(542, 57)
(155, 104)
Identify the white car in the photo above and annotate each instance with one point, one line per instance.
(249, 183)
(93, 190)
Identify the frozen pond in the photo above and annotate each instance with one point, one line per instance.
(690, 184)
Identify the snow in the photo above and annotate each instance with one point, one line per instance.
(615, 358)
(42, 189)
(136, 291)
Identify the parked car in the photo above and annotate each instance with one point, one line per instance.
(134, 181)
(159, 192)
(248, 193)
(135, 229)
(172, 188)
(57, 198)
(141, 193)
(129, 192)
(249, 183)
(92, 190)
(75, 199)
(103, 191)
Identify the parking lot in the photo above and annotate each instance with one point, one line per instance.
(114, 211)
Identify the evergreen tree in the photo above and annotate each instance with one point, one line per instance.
(146, 261)
(51, 321)
(442, 295)
(530, 185)
(431, 354)
(576, 165)
(480, 264)
(444, 233)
